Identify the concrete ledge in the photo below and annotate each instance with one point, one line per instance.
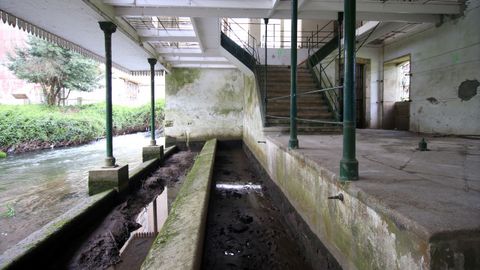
(180, 242)
(44, 244)
(388, 219)
(152, 152)
(142, 171)
(145, 168)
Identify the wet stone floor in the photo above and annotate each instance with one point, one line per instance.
(244, 228)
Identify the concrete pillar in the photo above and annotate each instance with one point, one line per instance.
(112, 175)
(349, 163)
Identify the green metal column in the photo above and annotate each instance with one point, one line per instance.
(293, 142)
(349, 164)
(108, 29)
(266, 70)
(152, 62)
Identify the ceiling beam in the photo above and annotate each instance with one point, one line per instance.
(108, 12)
(302, 3)
(192, 4)
(273, 9)
(279, 14)
(196, 29)
(168, 38)
(390, 7)
(195, 59)
(202, 65)
(166, 33)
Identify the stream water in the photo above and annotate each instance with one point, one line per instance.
(39, 186)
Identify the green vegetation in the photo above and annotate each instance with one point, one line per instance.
(55, 68)
(3, 154)
(30, 127)
(9, 212)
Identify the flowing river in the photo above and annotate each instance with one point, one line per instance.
(39, 186)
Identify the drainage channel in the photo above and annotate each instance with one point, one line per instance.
(245, 230)
(124, 237)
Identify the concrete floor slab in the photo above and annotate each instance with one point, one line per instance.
(436, 192)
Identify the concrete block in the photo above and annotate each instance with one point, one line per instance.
(106, 178)
(152, 152)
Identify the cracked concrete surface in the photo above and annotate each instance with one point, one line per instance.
(437, 192)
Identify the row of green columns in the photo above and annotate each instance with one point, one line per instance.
(293, 142)
(349, 164)
(108, 29)
(152, 62)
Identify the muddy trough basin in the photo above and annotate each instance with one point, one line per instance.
(222, 213)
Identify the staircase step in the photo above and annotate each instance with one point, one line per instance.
(312, 106)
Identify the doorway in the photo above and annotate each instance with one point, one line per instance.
(396, 94)
(360, 97)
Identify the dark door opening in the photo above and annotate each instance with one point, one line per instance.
(359, 94)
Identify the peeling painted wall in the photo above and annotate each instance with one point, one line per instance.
(445, 70)
(204, 103)
(252, 121)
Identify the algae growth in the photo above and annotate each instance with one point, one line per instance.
(179, 77)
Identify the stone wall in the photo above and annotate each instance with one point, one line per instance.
(203, 104)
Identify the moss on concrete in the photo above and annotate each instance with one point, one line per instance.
(179, 244)
(48, 238)
(179, 77)
(360, 237)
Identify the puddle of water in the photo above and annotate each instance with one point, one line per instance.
(136, 248)
(239, 187)
(151, 218)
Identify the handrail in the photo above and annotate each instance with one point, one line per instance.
(307, 93)
(323, 80)
(250, 46)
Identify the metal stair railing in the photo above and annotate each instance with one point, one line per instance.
(318, 71)
(246, 52)
(316, 40)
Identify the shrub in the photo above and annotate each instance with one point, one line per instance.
(24, 124)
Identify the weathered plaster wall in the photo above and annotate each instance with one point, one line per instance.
(252, 121)
(445, 78)
(281, 56)
(204, 103)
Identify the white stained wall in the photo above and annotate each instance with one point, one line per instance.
(445, 66)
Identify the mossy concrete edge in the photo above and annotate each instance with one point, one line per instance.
(43, 240)
(179, 244)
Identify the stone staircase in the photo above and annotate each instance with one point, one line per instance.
(313, 106)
